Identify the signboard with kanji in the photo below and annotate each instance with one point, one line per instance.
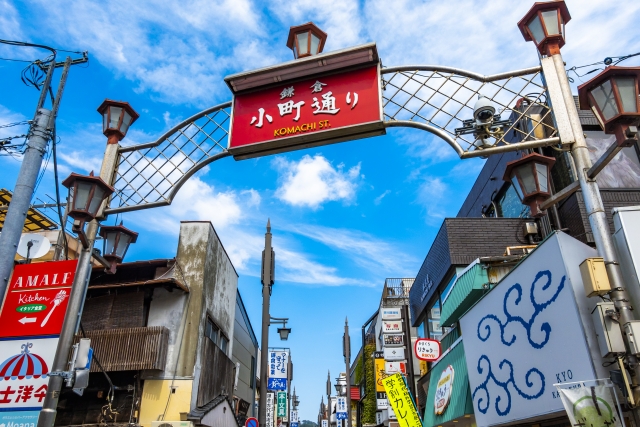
(341, 408)
(391, 326)
(278, 362)
(37, 299)
(427, 349)
(269, 411)
(315, 111)
(401, 402)
(282, 404)
(24, 372)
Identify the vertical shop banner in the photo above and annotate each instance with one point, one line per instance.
(278, 362)
(37, 299)
(591, 403)
(282, 404)
(401, 401)
(380, 374)
(341, 408)
(269, 411)
(325, 423)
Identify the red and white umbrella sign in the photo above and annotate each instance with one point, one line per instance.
(427, 349)
(37, 299)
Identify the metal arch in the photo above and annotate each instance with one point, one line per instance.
(150, 175)
(438, 99)
(435, 99)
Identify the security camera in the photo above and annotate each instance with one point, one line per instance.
(483, 111)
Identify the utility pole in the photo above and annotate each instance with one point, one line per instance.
(328, 398)
(39, 135)
(267, 278)
(346, 342)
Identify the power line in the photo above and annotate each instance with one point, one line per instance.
(610, 60)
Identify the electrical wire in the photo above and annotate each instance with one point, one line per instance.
(610, 60)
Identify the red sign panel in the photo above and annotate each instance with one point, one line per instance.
(427, 349)
(310, 112)
(37, 299)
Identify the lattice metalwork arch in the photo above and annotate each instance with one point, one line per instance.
(431, 98)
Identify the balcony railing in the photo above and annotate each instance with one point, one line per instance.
(396, 291)
(129, 349)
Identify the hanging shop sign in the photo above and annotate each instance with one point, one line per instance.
(269, 410)
(381, 400)
(325, 423)
(401, 401)
(25, 365)
(282, 404)
(443, 390)
(37, 299)
(394, 353)
(391, 313)
(380, 370)
(591, 403)
(395, 368)
(516, 337)
(278, 362)
(393, 340)
(427, 349)
(294, 416)
(389, 327)
(341, 408)
(315, 111)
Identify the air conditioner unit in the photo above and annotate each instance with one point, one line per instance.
(171, 423)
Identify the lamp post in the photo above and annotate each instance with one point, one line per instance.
(329, 398)
(550, 17)
(346, 343)
(88, 197)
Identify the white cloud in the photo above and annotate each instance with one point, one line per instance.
(365, 250)
(378, 199)
(431, 195)
(313, 181)
(298, 268)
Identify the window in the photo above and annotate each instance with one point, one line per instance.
(253, 372)
(213, 332)
(421, 329)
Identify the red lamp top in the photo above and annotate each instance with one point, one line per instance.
(540, 6)
(308, 27)
(609, 72)
(119, 123)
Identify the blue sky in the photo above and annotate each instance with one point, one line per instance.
(344, 216)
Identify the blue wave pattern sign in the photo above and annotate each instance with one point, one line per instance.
(527, 335)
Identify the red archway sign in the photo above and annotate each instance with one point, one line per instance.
(427, 349)
(251, 422)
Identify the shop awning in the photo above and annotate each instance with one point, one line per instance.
(460, 403)
(468, 289)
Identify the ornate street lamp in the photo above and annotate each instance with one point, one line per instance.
(86, 194)
(284, 333)
(613, 97)
(544, 25)
(306, 40)
(117, 239)
(295, 400)
(531, 180)
(117, 116)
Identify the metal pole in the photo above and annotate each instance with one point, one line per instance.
(329, 398)
(568, 123)
(267, 281)
(347, 360)
(76, 301)
(22, 194)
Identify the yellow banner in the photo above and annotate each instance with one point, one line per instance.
(380, 374)
(401, 402)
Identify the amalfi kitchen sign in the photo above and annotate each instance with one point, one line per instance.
(312, 104)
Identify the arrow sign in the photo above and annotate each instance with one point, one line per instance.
(27, 320)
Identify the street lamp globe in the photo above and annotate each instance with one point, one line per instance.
(117, 239)
(613, 97)
(117, 116)
(531, 180)
(284, 333)
(544, 25)
(86, 194)
(306, 40)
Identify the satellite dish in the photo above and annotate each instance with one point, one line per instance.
(38, 248)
